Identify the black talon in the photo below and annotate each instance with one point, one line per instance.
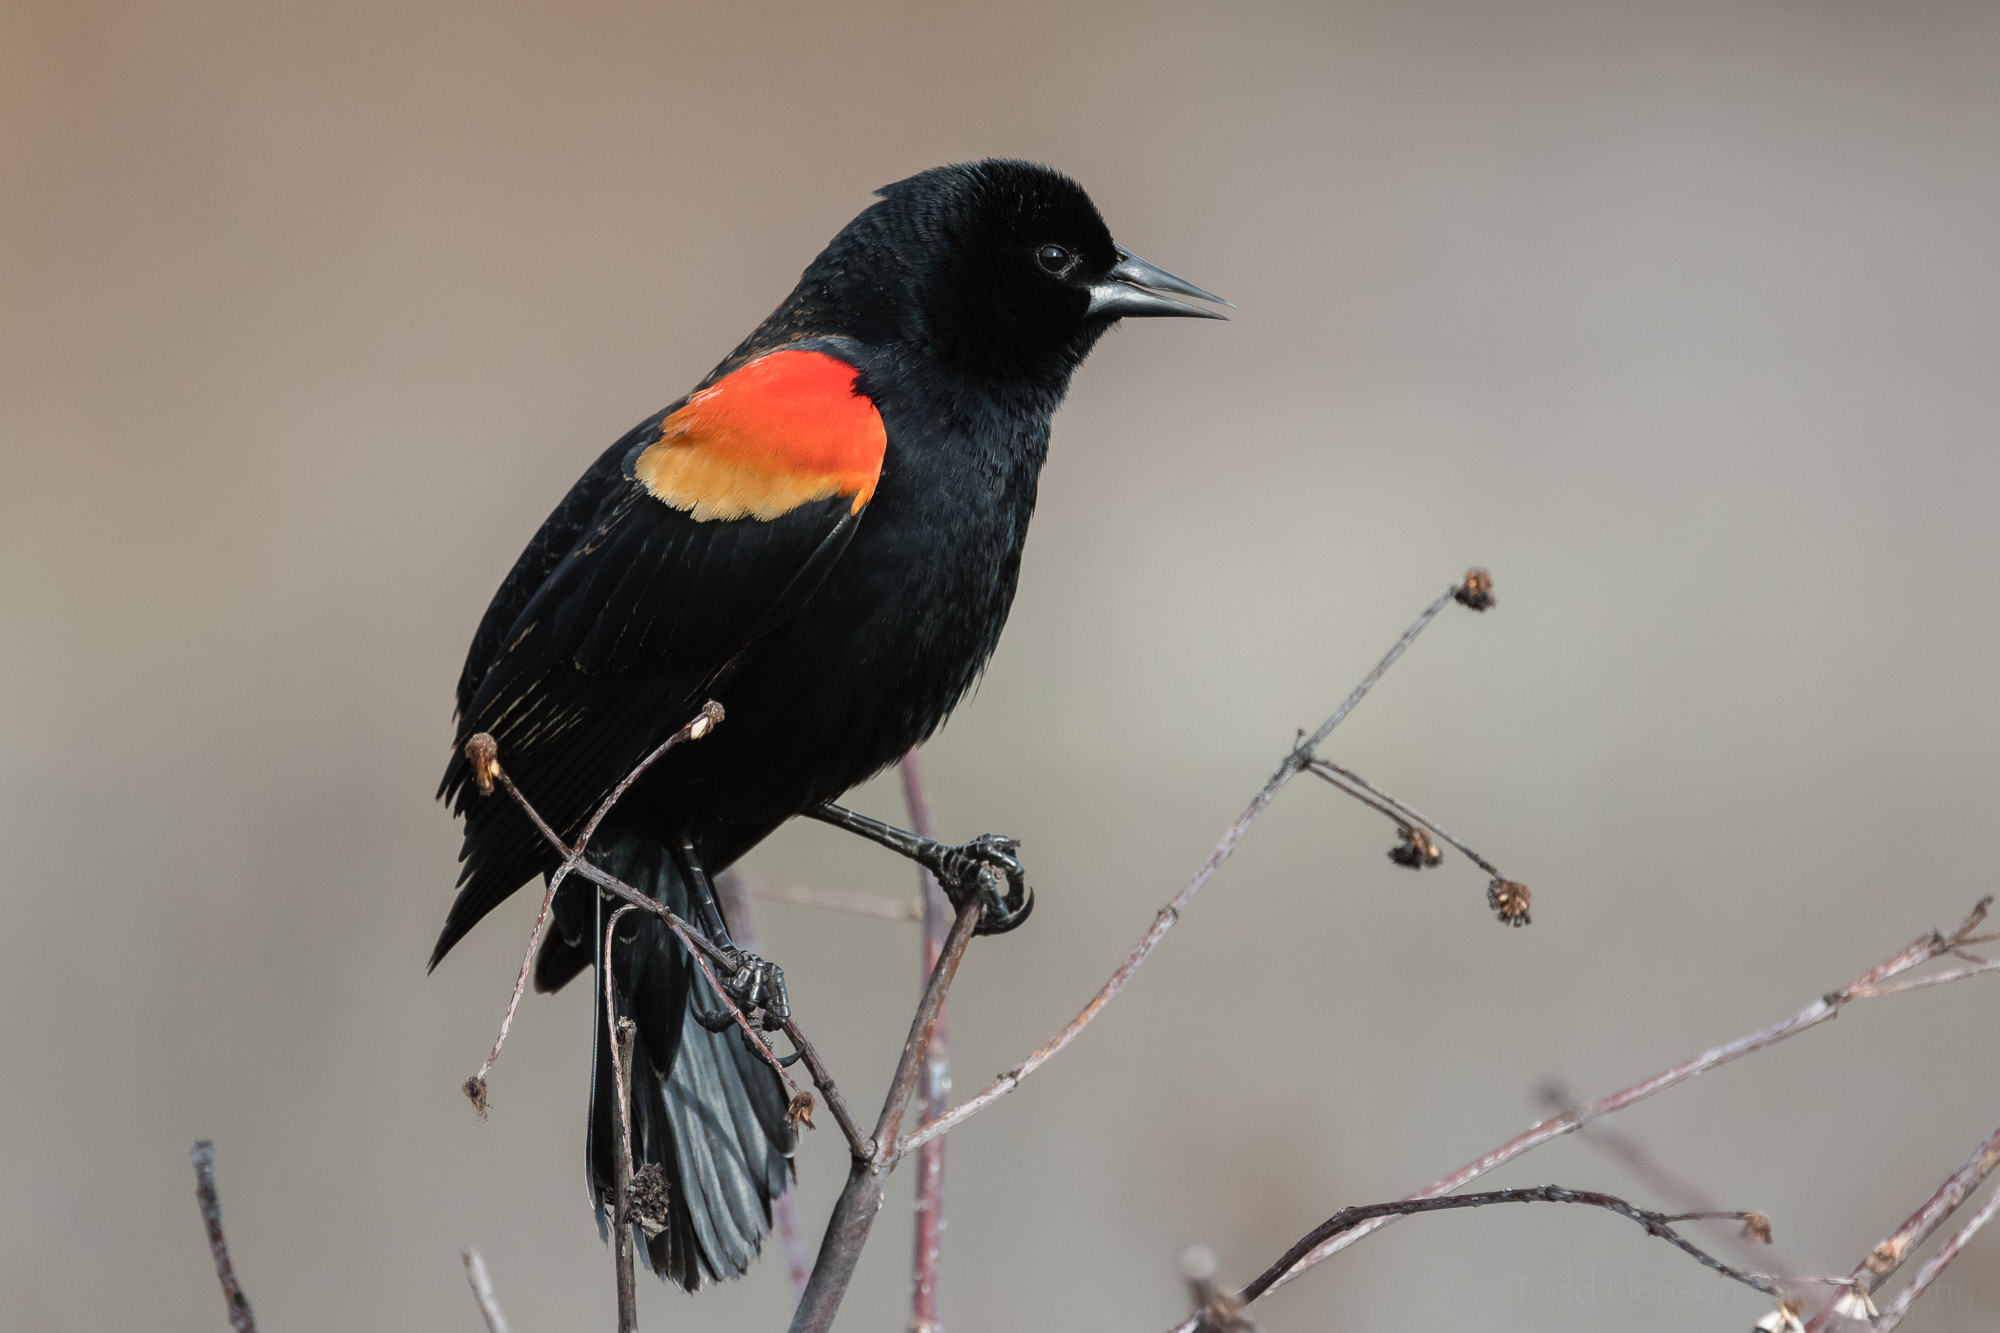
(976, 870)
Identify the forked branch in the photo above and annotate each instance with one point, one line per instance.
(1925, 948)
(1474, 590)
(1882, 1261)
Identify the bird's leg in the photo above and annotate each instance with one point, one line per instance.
(985, 868)
(752, 982)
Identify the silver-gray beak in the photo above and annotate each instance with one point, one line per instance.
(1135, 289)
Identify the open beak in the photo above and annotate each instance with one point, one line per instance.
(1135, 290)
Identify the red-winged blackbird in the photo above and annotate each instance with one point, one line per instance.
(824, 536)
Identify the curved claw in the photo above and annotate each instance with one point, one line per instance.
(980, 866)
(754, 984)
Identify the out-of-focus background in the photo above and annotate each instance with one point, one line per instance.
(1685, 321)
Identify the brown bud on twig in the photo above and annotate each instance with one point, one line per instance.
(1416, 850)
(1888, 1254)
(705, 721)
(800, 1112)
(1476, 591)
(648, 1199)
(475, 1088)
(484, 752)
(1509, 899)
(1757, 1227)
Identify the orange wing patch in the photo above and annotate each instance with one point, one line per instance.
(784, 430)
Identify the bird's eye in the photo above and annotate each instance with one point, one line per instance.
(1055, 260)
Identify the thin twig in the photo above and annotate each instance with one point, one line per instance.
(623, 1030)
(484, 753)
(1926, 1275)
(1919, 951)
(1670, 1184)
(1938, 979)
(733, 897)
(482, 1291)
(699, 947)
(1656, 1224)
(878, 905)
(1882, 1261)
(861, 1198)
(1347, 780)
(858, 1146)
(934, 1086)
(1292, 764)
(238, 1305)
(619, 1049)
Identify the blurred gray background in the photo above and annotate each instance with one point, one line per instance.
(1684, 319)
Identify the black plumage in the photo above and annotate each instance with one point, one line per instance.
(836, 640)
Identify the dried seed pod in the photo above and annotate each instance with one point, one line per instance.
(1757, 1227)
(1509, 900)
(1476, 591)
(1416, 850)
(800, 1112)
(647, 1199)
(484, 752)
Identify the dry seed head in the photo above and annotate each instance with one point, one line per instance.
(1509, 900)
(648, 1199)
(484, 752)
(1476, 590)
(1757, 1227)
(705, 721)
(800, 1112)
(1416, 850)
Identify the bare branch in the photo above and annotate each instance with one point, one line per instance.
(1918, 952)
(861, 1198)
(1291, 766)
(1882, 1261)
(700, 948)
(623, 1031)
(934, 1085)
(482, 1291)
(1361, 789)
(238, 1305)
(1656, 1224)
(1926, 1275)
(620, 1033)
(822, 1078)
(1676, 1189)
(484, 752)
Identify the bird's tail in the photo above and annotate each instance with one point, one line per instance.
(704, 1108)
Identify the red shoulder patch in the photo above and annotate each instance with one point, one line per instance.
(784, 430)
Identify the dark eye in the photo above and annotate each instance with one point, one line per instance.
(1055, 260)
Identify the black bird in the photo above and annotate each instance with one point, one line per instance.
(824, 536)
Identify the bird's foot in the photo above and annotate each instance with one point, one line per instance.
(758, 989)
(987, 870)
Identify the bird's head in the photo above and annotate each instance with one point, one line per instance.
(999, 267)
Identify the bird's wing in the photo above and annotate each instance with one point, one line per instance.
(714, 523)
